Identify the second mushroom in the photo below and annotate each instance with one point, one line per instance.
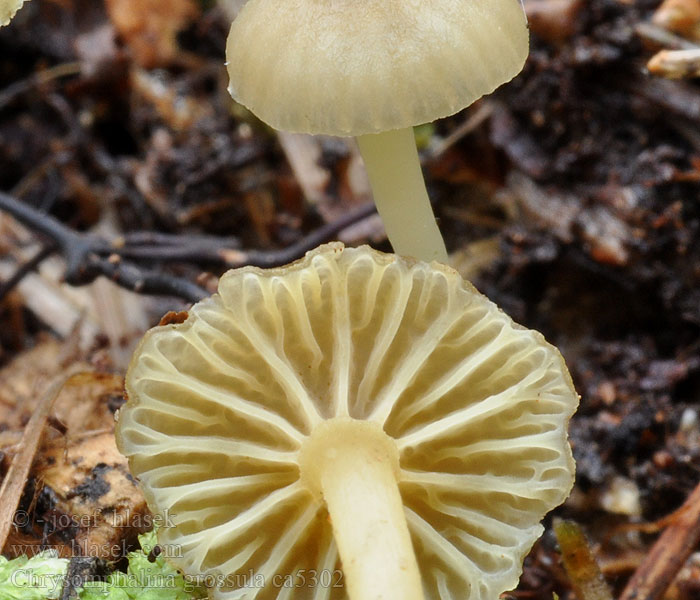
(373, 69)
(355, 424)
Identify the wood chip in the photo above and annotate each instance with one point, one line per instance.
(303, 153)
(675, 64)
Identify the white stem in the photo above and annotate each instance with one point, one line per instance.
(353, 466)
(391, 159)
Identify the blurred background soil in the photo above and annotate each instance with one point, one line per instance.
(570, 197)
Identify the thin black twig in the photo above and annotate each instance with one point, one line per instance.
(24, 269)
(84, 265)
(88, 256)
(325, 233)
(14, 90)
(226, 252)
(164, 247)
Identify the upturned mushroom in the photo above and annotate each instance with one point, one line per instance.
(353, 424)
(373, 69)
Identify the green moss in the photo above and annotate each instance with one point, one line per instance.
(145, 579)
(42, 577)
(36, 578)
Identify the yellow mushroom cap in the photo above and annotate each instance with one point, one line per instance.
(8, 8)
(220, 406)
(354, 67)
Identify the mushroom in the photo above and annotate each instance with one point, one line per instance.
(353, 410)
(8, 9)
(374, 69)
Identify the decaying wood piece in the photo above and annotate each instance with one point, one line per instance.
(97, 509)
(668, 555)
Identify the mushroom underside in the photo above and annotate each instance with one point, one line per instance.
(221, 406)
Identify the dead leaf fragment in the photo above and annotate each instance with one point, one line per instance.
(85, 405)
(679, 16)
(553, 20)
(173, 318)
(23, 379)
(149, 27)
(14, 480)
(178, 110)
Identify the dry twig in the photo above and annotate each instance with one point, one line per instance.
(29, 266)
(221, 252)
(668, 554)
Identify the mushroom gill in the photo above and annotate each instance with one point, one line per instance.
(236, 418)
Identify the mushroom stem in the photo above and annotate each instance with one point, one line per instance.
(391, 159)
(353, 465)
